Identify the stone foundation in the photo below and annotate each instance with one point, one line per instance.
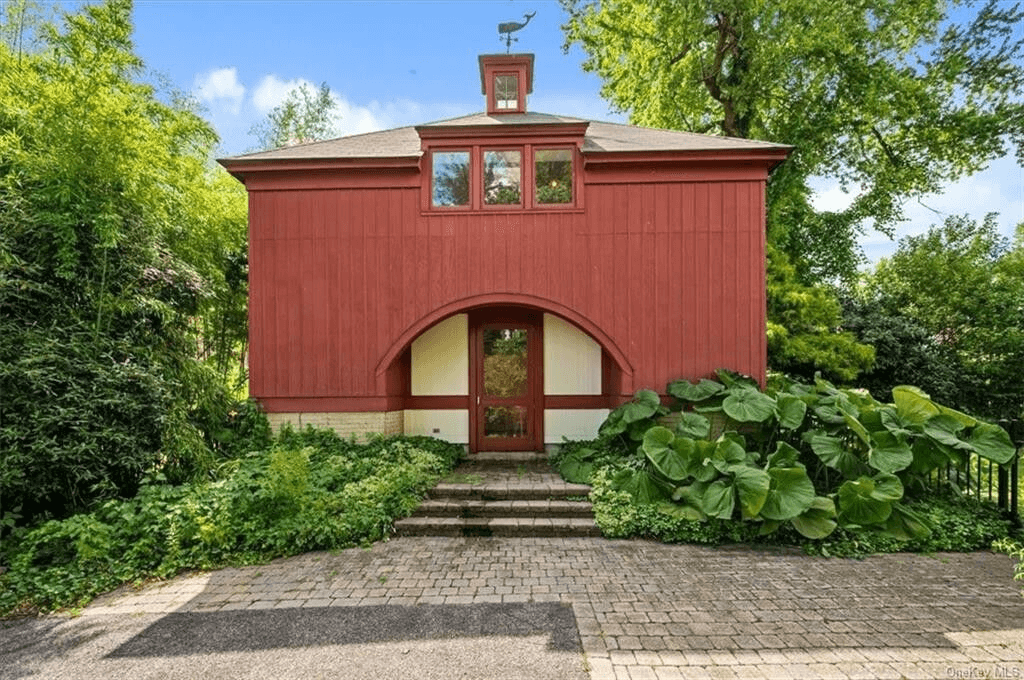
(359, 424)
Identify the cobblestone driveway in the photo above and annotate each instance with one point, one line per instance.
(646, 610)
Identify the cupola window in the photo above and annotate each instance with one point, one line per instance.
(506, 92)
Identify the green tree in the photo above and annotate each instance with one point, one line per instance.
(305, 115)
(906, 352)
(889, 99)
(805, 334)
(114, 230)
(964, 284)
(892, 99)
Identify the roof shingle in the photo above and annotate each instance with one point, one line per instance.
(601, 137)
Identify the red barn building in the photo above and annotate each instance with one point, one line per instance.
(502, 279)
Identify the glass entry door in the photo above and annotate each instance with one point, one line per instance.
(507, 362)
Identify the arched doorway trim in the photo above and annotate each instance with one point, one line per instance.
(504, 299)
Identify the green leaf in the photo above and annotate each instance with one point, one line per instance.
(784, 456)
(614, 424)
(945, 430)
(790, 411)
(904, 524)
(790, 493)
(693, 425)
(752, 487)
(727, 453)
(857, 427)
(887, 487)
(834, 454)
(829, 414)
(913, 405)
(733, 379)
(577, 468)
(889, 453)
(686, 391)
(658, 448)
(679, 511)
(640, 485)
(718, 500)
(648, 399)
(892, 422)
(868, 501)
(992, 442)
(818, 521)
(928, 455)
(748, 406)
(962, 418)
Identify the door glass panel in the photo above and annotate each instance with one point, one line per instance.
(505, 362)
(505, 421)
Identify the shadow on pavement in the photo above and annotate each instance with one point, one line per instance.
(189, 633)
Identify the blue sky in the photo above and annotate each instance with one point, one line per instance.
(399, 63)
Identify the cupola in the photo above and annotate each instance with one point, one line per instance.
(506, 79)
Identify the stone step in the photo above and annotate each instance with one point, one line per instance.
(525, 489)
(507, 458)
(450, 507)
(533, 527)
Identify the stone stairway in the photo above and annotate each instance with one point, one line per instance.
(503, 494)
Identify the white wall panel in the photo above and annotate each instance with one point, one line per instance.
(568, 423)
(452, 426)
(572, 360)
(440, 359)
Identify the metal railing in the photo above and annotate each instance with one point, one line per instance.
(983, 480)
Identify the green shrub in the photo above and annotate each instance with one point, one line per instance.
(309, 490)
(1014, 548)
(804, 461)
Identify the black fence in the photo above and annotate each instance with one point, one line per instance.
(984, 480)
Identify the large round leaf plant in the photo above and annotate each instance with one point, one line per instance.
(814, 456)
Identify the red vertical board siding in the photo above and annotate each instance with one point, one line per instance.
(672, 272)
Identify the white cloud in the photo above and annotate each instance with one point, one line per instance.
(349, 118)
(831, 198)
(271, 91)
(220, 87)
(998, 189)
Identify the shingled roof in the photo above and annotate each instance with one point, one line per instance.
(600, 137)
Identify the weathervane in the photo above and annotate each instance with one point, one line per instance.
(510, 27)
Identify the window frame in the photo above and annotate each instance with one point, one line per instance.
(492, 104)
(462, 148)
(484, 149)
(573, 176)
(527, 194)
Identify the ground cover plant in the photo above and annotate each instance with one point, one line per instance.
(303, 491)
(831, 469)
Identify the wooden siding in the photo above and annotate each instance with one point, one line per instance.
(671, 271)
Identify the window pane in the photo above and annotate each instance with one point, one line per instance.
(503, 177)
(451, 178)
(506, 92)
(554, 175)
(505, 421)
(505, 362)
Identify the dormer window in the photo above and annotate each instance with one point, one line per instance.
(506, 92)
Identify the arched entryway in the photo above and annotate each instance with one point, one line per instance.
(504, 374)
